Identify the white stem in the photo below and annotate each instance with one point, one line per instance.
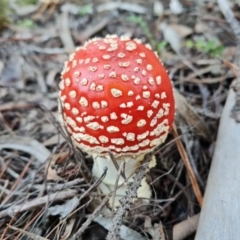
(108, 183)
(131, 166)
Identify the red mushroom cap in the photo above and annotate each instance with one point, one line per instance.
(116, 96)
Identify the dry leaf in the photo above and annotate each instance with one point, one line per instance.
(55, 139)
(70, 8)
(229, 52)
(51, 172)
(52, 175)
(69, 227)
(186, 111)
(171, 36)
(158, 8)
(12, 71)
(156, 231)
(64, 209)
(182, 30)
(126, 233)
(201, 28)
(176, 7)
(24, 10)
(25, 144)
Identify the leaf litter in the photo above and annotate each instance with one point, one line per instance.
(41, 172)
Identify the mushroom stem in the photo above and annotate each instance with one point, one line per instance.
(108, 184)
(101, 162)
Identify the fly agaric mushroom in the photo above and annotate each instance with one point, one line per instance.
(115, 95)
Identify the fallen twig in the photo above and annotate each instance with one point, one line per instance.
(188, 166)
(90, 219)
(38, 202)
(29, 234)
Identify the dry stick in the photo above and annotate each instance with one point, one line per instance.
(38, 202)
(117, 180)
(122, 172)
(126, 201)
(69, 215)
(13, 218)
(93, 186)
(58, 187)
(90, 219)
(29, 223)
(29, 234)
(188, 166)
(5, 166)
(16, 183)
(6, 229)
(16, 105)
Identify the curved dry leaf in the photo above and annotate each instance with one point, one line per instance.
(25, 144)
(171, 36)
(182, 30)
(176, 7)
(63, 210)
(125, 232)
(186, 111)
(69, 227)
(24, 10)
(156, 231)
(158, 8)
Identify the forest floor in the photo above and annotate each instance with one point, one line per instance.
(46, 187)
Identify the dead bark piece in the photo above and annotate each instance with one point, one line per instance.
(219, 218)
